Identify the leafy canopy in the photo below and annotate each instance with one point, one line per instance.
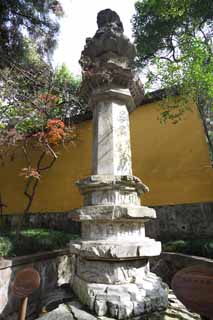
(162, 26)
(174, 42)
(36, 19)
(174, 45)
(35, 101)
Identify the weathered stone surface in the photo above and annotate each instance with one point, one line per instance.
(169, 263)
(108, 58)
(111, 197)
(111, 143)
(109, 20)
(116, 249)
(112, 274)
(78, 311)
(122, 301)
(61, 313)
(182, 221)
(55, 268)
(125, 213)
(51, 299)
(65, 269)
(114, 95)
(119, 272)
(175, 310)
(125, 183)
(113, 230)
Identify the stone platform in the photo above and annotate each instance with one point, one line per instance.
(74, 311)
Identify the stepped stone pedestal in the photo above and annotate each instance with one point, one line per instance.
(112, 274)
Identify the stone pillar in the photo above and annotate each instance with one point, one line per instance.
(111, 144)
(112, 274)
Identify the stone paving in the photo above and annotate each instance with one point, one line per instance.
(74, 311)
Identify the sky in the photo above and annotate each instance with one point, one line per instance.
(79, 23)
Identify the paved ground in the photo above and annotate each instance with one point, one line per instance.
(74, 311)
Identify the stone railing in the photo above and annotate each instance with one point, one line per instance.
(55, 269)
(168, 263)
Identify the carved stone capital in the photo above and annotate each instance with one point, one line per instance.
(108, 59)
(116, 95)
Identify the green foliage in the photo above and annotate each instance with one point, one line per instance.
(26, 103)
(35, 103)
(158, 24)
(33, 241)
(63, 78)
(198, 247)
(6, 246)
(66, 86)
(175, 48)
(38, 19)
(174, 39)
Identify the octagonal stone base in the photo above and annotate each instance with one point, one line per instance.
(125, 300)
(116, 249)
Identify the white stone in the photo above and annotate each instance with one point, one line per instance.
(112, 270)
(118, 272)
(138, 307)
(61, 313)
(114, 230)
(100, 305)
(122, 301)
(112, 197)
(76, 309)
(116, 249)
(118, 94)
(111, 144)
(107, 212)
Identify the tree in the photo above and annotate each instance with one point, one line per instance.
(35, 101)
(36, 19)
(174, 45)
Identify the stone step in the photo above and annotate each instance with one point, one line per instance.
(75, 311)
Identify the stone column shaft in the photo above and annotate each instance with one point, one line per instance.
(111, 145)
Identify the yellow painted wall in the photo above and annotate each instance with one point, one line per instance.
(171, 159)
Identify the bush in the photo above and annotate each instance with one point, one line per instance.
(6, 246)
(33, 241)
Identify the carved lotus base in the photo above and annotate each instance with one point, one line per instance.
(124, 300)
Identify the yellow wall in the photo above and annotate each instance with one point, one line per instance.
(171, 159)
